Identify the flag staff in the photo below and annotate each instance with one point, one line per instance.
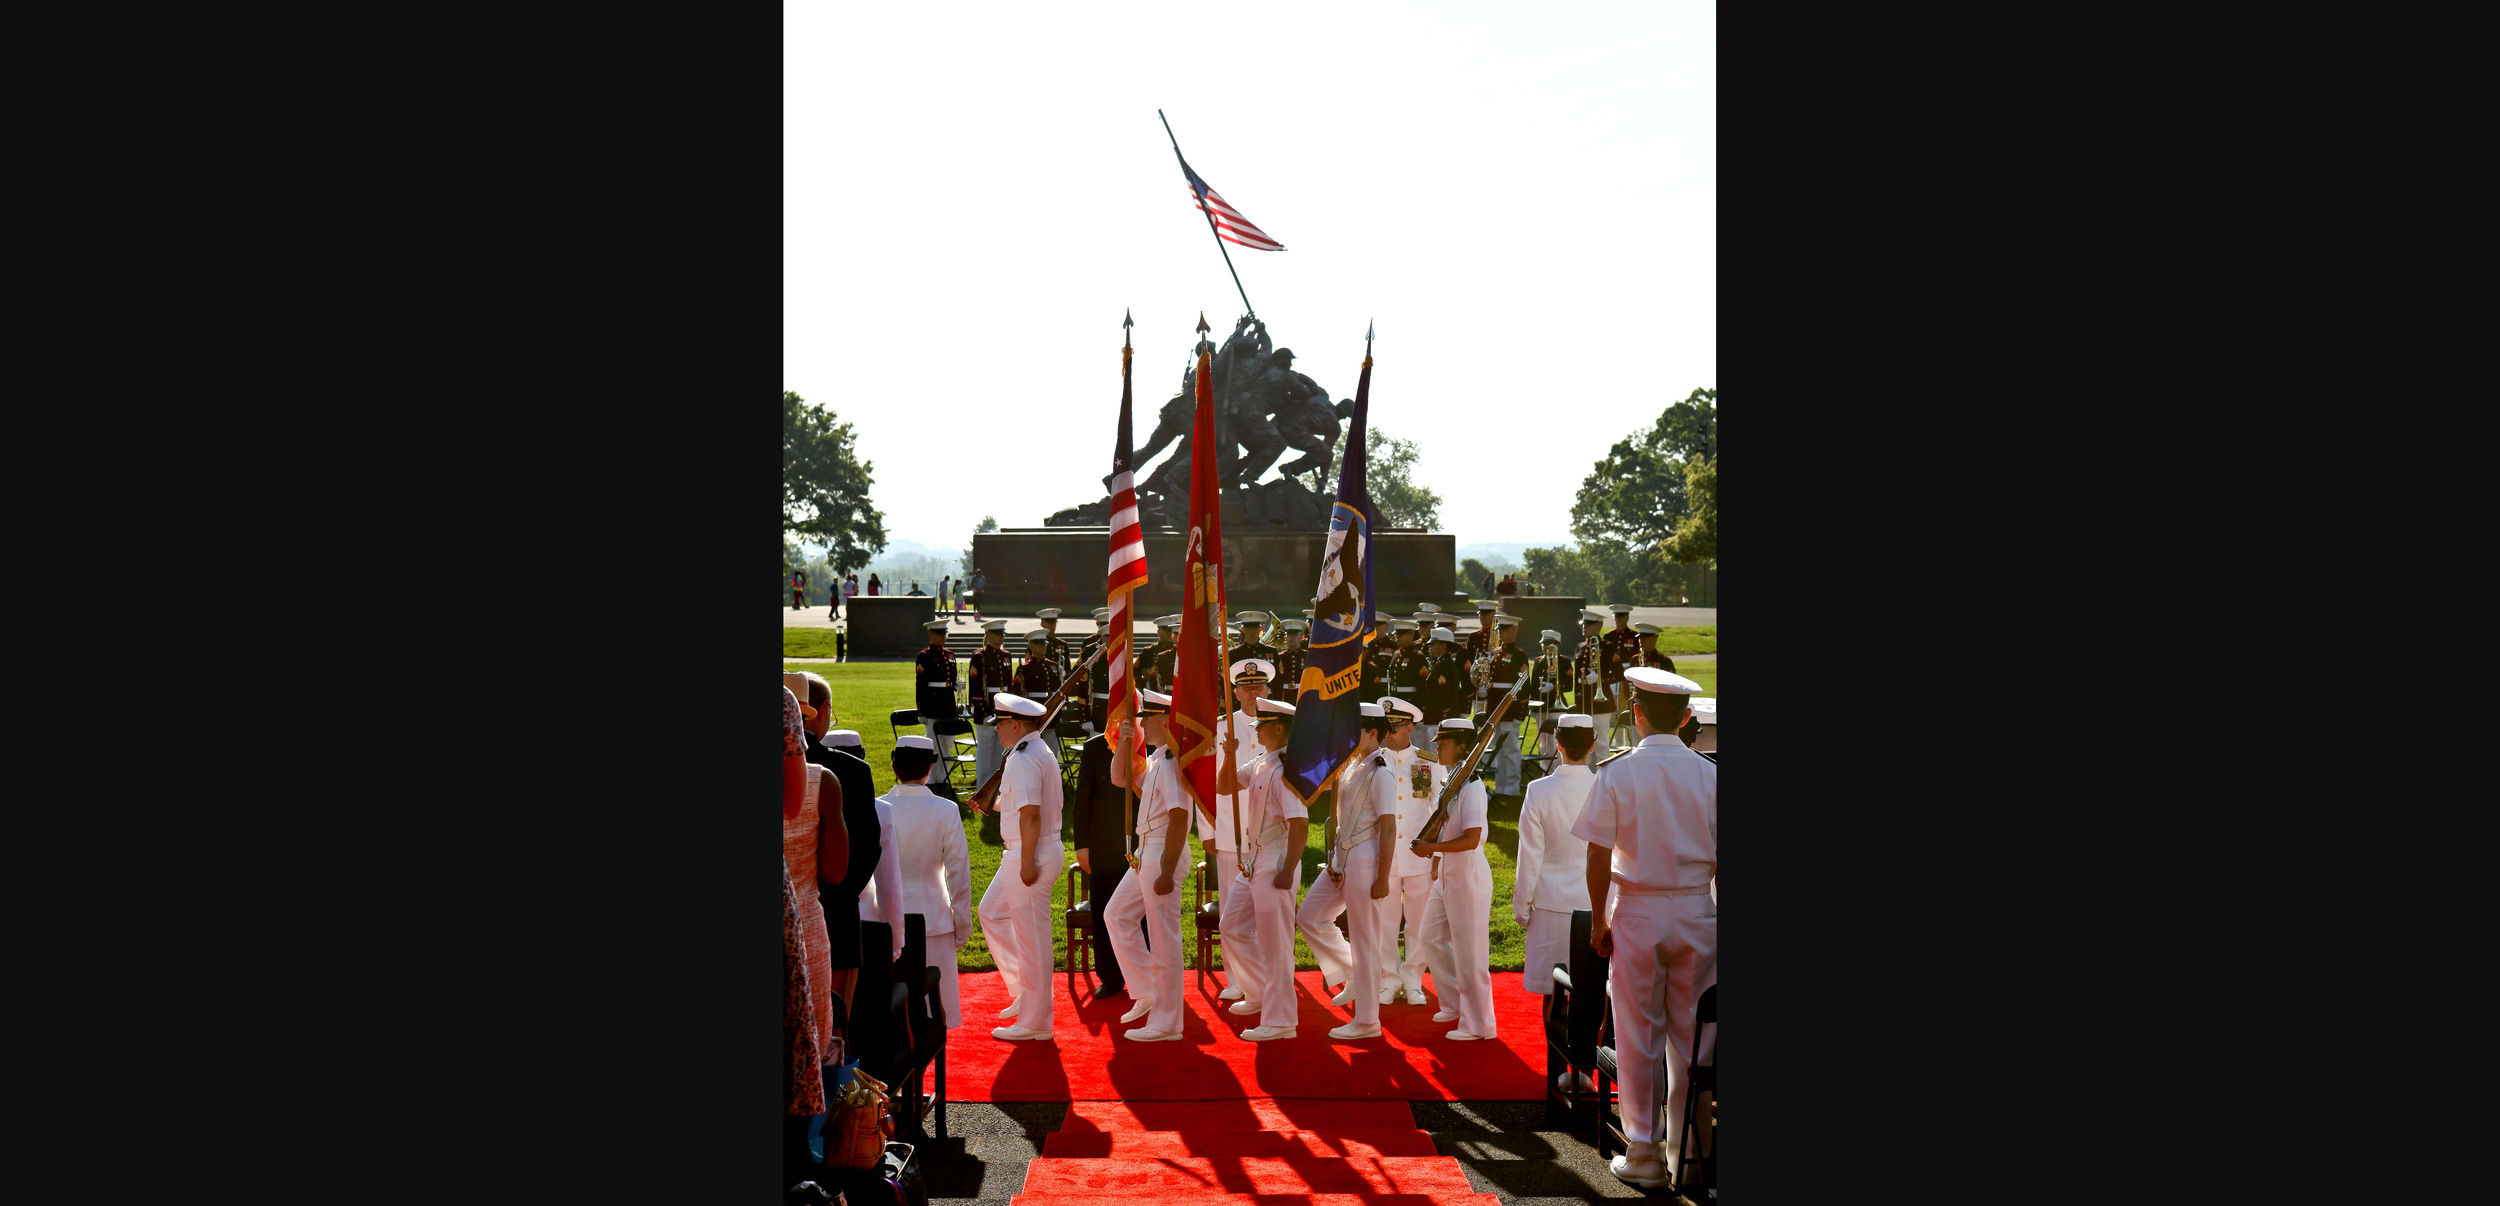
(1202, 210)
(1215, 631)
(1125, 755)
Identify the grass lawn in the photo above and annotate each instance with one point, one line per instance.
(1671, 641)
(864, 693)
(817, 642)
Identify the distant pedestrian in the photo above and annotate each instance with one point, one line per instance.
(943, 585)
(874, 586)
(798, 589)
(850, 587)
(916, 591)
(1488, 584)
(841, 643)
(1507, 586)
(980, 584)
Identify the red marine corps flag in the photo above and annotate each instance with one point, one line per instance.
(1127, 573)
(1201, 691)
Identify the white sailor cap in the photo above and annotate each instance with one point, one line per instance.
(1373, 712)
(1253, 670)
(1549, 637)
(1427, 607)
(1455, 728)
(1487, 605)
(1275, 707)
(1037, 637)
(1621, 609)
(1102, 613)
(1590, 617)
(1309, 615)
(1507, 621)
(1402, 626)
(1252, 617)
(936, 625)
(849, 737)
(1444, 634)
(1015, 705)
(1706, 709)
(1646, 629)
(1152, 703)
(1047, 613)
(995, 626)
(1172, 621)
(914, 741)
(1292, 626)
(1650, 678)
(1401, 707)
(1575, 720)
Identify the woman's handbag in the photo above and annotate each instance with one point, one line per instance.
(856, 1130)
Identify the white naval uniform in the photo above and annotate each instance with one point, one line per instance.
(1216, 833)
(1153, 971)
(1265, 925)
(1657, 806)
(1015, 916)
(1553, 880)
(1237, 914)
(1410, 877)
(1458, 920)
(1353, 957)
(881, 898)
(936, 878)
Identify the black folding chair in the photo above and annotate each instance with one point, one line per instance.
(1079, 923)
(880, 1030)
(1704, 1078)
(901, 719)
(957, 752)
(1210, 916)
(1574, 1014)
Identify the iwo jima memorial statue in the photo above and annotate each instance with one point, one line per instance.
(1274, 531)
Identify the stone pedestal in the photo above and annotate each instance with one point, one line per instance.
(889, 625)
(1033, 568)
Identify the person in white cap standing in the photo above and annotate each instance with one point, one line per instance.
(1339, 966)
(1015, 911)
(1418, 788)
(1652, 825)
(1150, 961)
(1258, 912)
(1458, 919)
(1361, 866)
(1251, 677)
(936, 866)
(1552, 882)
(993, 671)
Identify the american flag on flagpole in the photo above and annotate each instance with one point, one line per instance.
(1230, 226)
(1127, 572)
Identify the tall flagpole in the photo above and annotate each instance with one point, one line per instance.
(1202, 210)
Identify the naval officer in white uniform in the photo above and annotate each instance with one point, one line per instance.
(1015, 911)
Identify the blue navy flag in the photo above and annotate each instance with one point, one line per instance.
(1328, 702)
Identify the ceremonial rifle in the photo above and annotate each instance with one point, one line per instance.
(1466, 769)
(988, 791)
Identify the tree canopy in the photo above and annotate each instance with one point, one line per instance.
(1389, 473)
(824, 486)
(1651, 504)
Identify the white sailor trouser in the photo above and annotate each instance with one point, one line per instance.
(1458, 930)
(1408, 895)
(1548, 943)
(1245, 963)
(1015, 917)
(1505, 753)
(1152, 971)
(1362, 923)
(1317, 919)
(1666, 953)
(941, 953)
(984, 752)
(1271, 927)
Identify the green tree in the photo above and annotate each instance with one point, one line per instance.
(1471, 574)
(989, 523)
(1636, 495)
(1389, 473)
(1697, 537)
(824, 485)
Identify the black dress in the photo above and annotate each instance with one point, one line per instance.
(859, 824)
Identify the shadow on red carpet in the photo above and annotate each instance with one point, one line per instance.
(1087, 1061)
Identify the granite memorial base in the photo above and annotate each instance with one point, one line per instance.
(888, 625)
(1033, 568)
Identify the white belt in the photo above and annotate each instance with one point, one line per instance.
(1406, 690)
(939, 683)
(1622, 889)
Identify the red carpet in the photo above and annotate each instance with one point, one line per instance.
(1219, 1154)
(1086, 1061)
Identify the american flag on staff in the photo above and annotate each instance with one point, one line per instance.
(1127, 573)
(1230, 226)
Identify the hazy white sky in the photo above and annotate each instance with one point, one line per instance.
(1524, 197)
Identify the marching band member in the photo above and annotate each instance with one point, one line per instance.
(993, 671)
(1594, 675)
(1652, 825)
(1458, 920)
(1258, 912)
(1553, 865)
(1150, 961)
(1015, 911)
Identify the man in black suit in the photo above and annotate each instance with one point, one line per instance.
(1099, 812)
